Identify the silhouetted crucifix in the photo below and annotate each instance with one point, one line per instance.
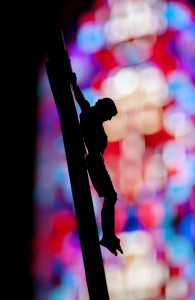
(90, 131)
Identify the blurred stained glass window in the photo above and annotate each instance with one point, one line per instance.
(142, 55)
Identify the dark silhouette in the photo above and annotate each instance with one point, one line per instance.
(58, 70)
(95, 140)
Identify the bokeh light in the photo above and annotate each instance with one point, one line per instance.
(142, 55)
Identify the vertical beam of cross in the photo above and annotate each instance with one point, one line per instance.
(57, 71)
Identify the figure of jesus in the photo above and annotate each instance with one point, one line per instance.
(95, 140)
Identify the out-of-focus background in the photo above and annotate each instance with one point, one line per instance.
(142, 55)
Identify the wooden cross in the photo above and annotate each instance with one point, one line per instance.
(58, 70)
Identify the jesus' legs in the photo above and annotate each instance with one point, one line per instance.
(109, 240)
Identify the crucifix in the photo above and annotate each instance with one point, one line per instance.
(63, 85)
